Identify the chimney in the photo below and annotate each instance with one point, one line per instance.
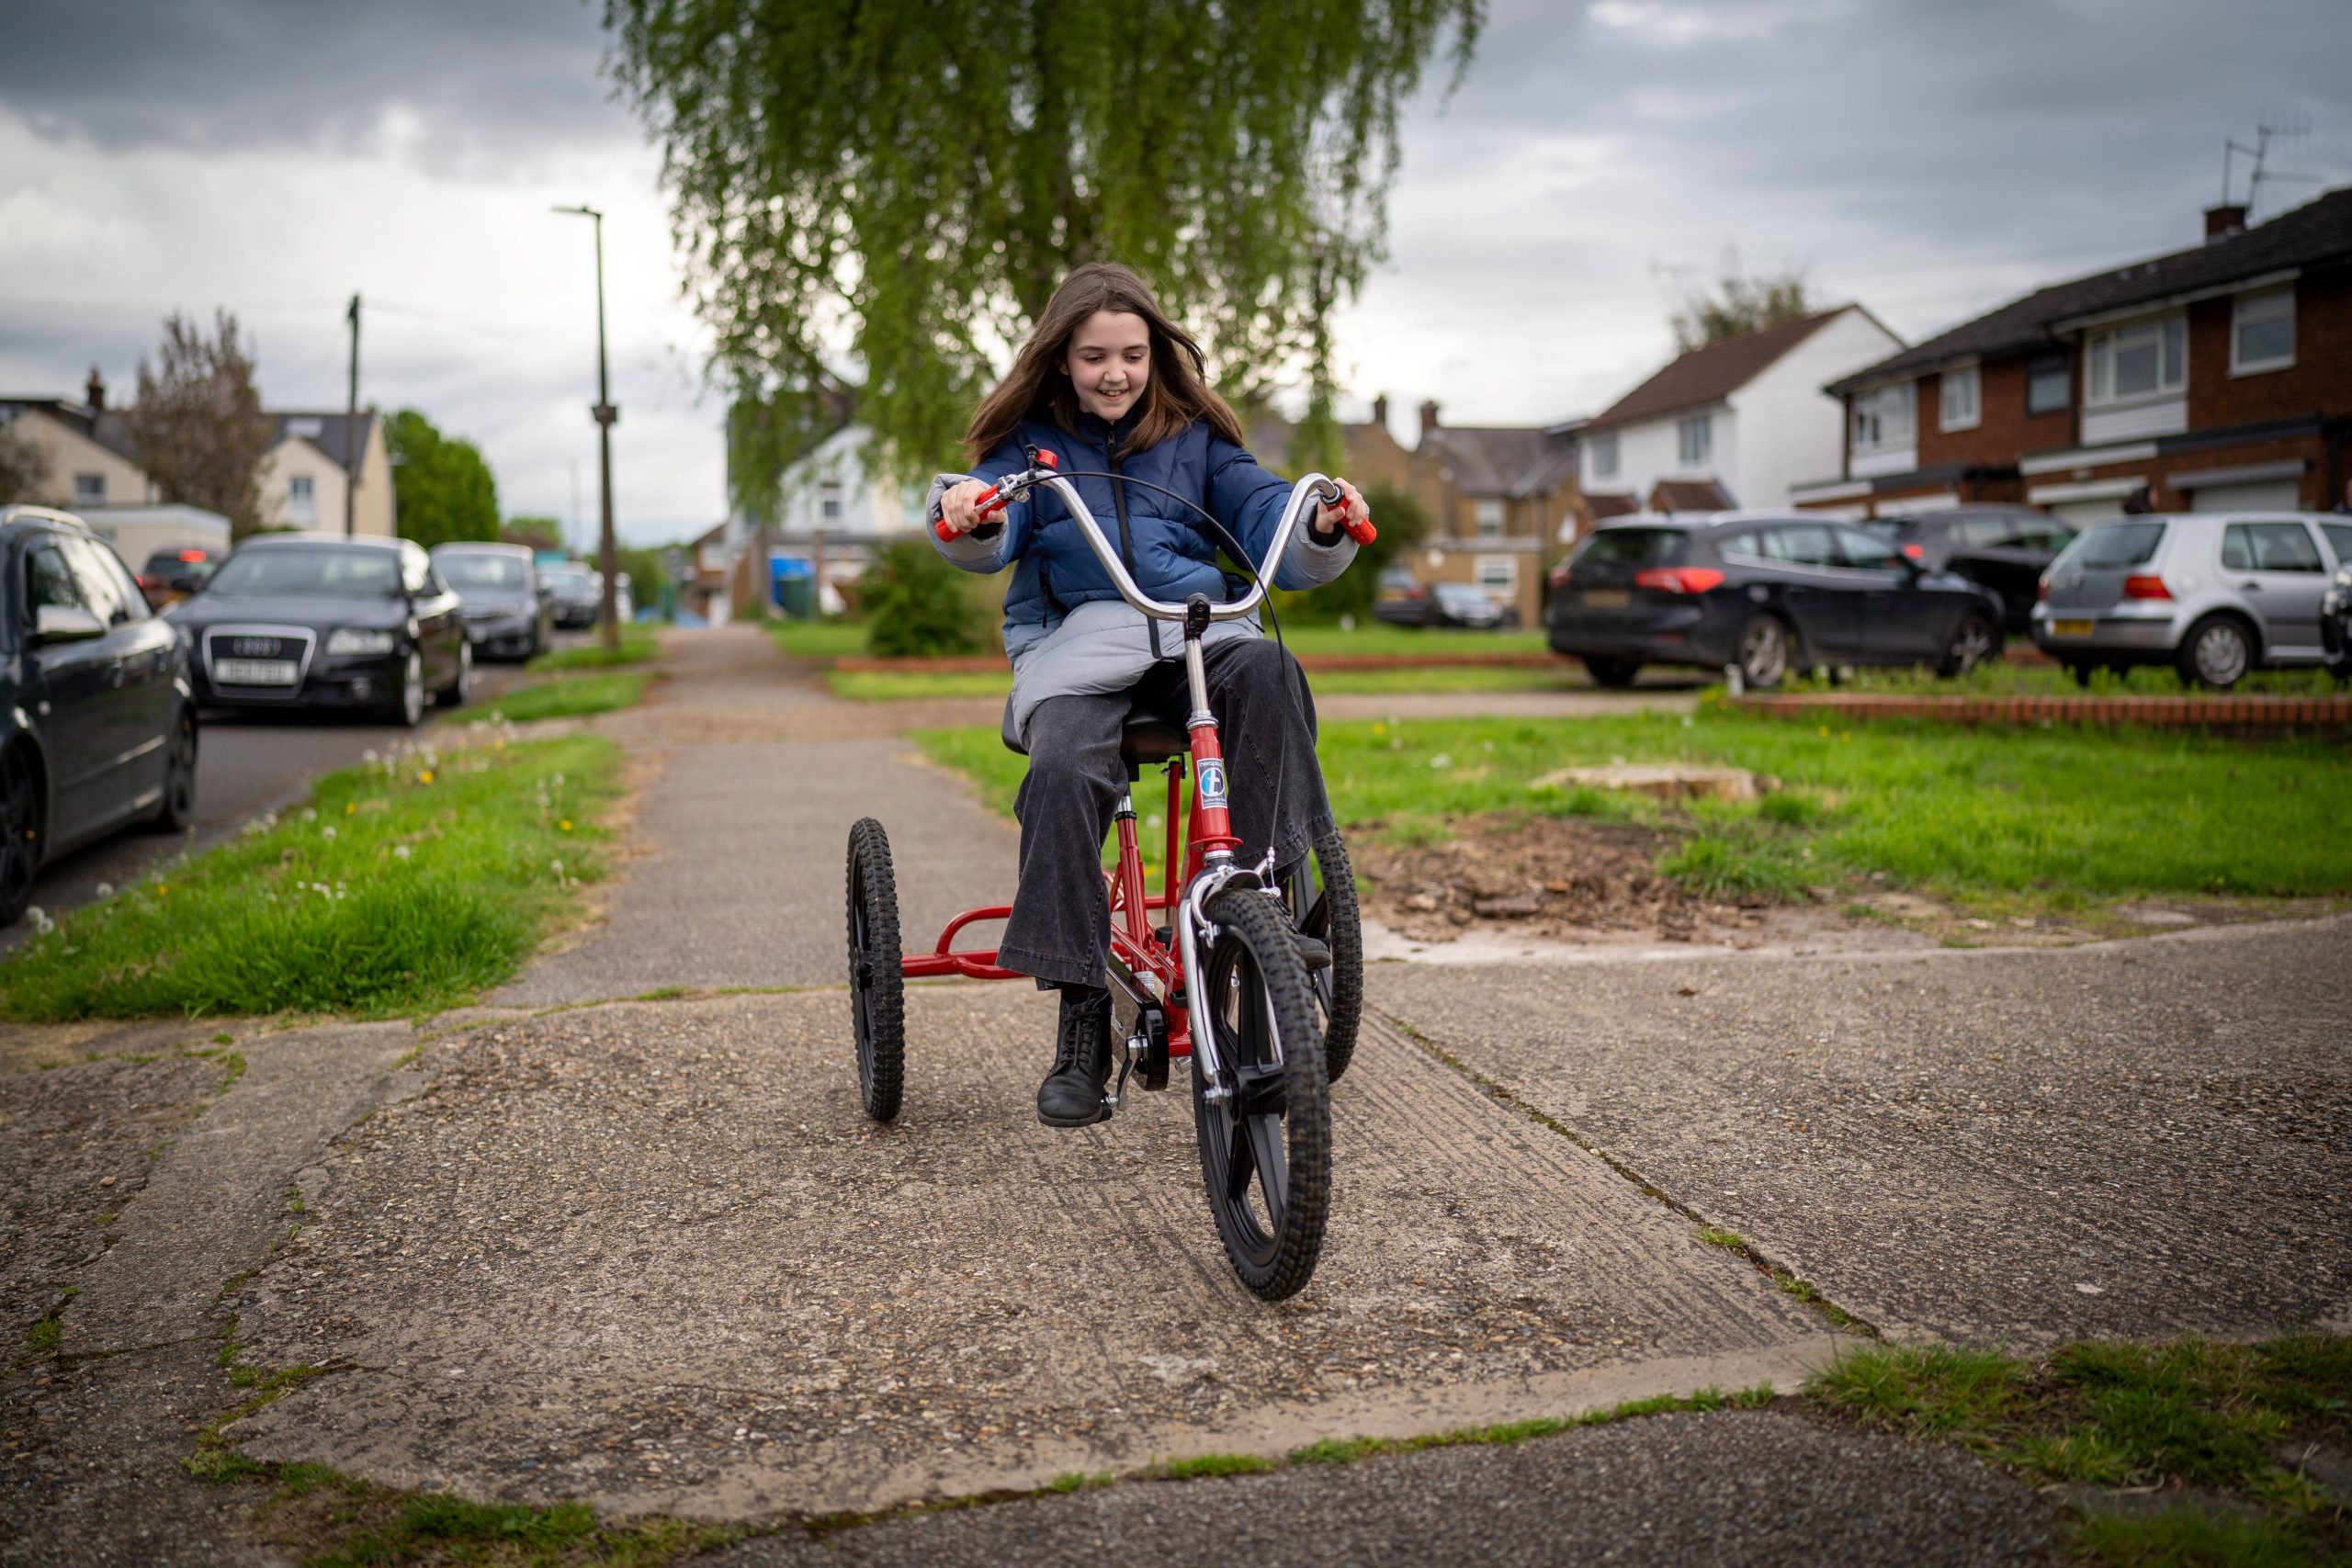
(94, 392)
(2224, 221)
(1380, 409)
(1429, 416)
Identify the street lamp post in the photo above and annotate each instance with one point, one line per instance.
(604, 413)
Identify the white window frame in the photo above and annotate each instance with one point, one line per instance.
(2171, 333)
(1605, 457)
(1487, 517)
(301, 498)
(1883, 420)
(2244, 306)
(1694, 441)
(1961, 394)
(1491, 574)
(90, 489)
(830, 500)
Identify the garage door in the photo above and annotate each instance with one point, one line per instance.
(2262, 495)
(2084, 512)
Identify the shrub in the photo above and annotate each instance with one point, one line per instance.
(915, 602)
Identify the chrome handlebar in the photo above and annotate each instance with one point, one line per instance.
(1314, 488)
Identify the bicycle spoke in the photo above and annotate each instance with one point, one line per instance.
(1239, 1162)
(1265, 1138)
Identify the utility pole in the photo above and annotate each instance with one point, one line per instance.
(604, 414)
(351, 431)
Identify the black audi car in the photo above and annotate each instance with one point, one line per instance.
(327, 621)
(97, 716)
(1766, 592)
(2005, 548)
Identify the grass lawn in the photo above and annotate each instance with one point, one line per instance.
(1380, 638)
(837, 637)
(2010, 820)
(570, 697)
(2049, 681)
(2218, 1418)
(406, 885)
(640, 644)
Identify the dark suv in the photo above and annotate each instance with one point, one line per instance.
(97, 716)
(1770, 592)
(2005, 548)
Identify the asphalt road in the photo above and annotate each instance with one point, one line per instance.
(247, 763)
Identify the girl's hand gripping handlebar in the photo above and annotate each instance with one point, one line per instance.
(993, 499)
(1360, 529)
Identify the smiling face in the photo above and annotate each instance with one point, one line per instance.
(1109, 360)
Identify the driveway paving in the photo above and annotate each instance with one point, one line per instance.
(2132, 1138)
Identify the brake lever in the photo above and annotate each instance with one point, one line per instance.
(998, 496)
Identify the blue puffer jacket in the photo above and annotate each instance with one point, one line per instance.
(1172, 552)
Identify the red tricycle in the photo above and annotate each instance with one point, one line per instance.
(1256, 976)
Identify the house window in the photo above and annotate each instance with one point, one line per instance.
(831, 505)
(302, 499)
(1498, 574)
(1489, 514)
(2144, 359)
(89, 490)
(2045, 383)
(1604, 456)
(1961, 392)
(2262, 331)
(1883, 417)
(1694, 440)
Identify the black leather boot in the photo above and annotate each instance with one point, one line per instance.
(1071, 1095)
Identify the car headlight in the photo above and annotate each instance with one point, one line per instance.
(350, 639)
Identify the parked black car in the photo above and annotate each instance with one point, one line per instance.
(328, 621)
(576, 593)
(1403, 601)
(2005, 548)
(1769, 594)
(174, 573)
(97, 714)
(505, 614)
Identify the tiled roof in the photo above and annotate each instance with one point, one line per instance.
(1513, 461)
(1708, 376)
(2317, 233)
(1604, 506)
(1689, 495)
(324, 431)
(107, 427)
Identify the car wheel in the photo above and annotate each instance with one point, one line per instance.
(1974, 642)
(455, 694)
(21, 832)
(2217, 653)
(1614, 673)
(177, 809)
(409, 710)
(1764, 651)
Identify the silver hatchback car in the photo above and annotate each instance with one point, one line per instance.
(2214, 595)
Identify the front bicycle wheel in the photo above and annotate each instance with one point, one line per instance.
(877, 1003)
(1321, 896)
(1265, 1125)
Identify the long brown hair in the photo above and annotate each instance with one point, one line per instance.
(1176, 393)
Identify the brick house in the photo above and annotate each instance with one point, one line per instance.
(2218, 377)
(1734, 423)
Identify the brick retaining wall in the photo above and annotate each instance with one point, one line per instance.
(2204, 712)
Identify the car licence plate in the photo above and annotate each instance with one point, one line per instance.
(1607, 598)
(2073, 629)
(254, 672)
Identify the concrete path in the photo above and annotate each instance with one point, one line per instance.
(651, 1254)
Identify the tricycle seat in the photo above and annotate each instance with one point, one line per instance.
(1148, 737)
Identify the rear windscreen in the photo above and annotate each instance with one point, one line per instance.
(2114, 544)
(1633, 548)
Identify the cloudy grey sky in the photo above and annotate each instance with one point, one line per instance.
(1928, 159)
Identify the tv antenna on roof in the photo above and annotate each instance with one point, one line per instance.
(2283, 128)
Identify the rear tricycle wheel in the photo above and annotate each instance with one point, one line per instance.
(876, 984)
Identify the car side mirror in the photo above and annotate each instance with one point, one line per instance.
(66, 623)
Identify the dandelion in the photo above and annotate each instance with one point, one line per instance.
(351, 809)
(309, 814)
(162, 889)
(328, 834)
(564, 826)
(558, 867)
(105, 889)
(368, 755)
(399, 852)
(1378, 727)
(426, 776)
(1443, 760)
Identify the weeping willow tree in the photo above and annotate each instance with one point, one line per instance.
(873, 198)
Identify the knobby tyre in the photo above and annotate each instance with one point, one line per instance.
(1266, 1146)
(1322, 899)
(877, 984)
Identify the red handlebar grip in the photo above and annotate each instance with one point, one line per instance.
(988, 501)
(942, 530)
(1361, 531)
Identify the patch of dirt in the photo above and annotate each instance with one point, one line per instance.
(1551, 876)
